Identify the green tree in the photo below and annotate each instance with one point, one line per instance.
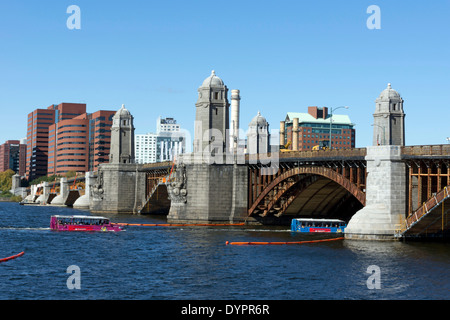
(70, 174)
(6, 180)
(43, 179)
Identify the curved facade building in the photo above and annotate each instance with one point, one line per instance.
(99, 137)
(80, 144)
(69, 146)
(65, 138)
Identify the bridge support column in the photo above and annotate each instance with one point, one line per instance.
(60, 199)
(45, 193)
(33, 192)
(16, 188)
(83, 201)
(385, 196)
(208, 193)
(119, 188)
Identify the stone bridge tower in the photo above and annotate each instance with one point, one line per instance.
(122, 137)
(386, 173)
(389, 119)
(212, 116)
(118, 186)
(258, 135)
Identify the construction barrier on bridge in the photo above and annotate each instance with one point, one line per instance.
(279, 243)
(177, 224)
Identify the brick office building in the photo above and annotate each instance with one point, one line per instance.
(99, 137)
(12, 156)
(313, 127)
(68, 146)
(37, 141)
(65, 138)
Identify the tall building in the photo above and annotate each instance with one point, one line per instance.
(100, 123)
(68, 145)
(165, 145)
(304, 131)
(39, 122)
(80, 143)
(389, 119)
(166, 125)
(212, 115)
(145, 148)
(122, 137)
(169, 145)
(170, 140)
(65, 138)
(13, 156)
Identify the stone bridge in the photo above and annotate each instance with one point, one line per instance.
(380, 187)
(383, 191)
(72, 192)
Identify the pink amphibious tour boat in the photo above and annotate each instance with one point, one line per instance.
(82, 223)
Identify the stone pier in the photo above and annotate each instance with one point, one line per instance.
(385, 196)
(208, 193)
(83, 201)
(60, 200)
(119, 188)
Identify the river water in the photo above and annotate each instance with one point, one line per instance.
(194, 263)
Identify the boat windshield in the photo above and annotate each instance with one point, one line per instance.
(81, 221)
(319, 223)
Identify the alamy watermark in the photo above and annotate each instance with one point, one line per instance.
(74, 280)
(374, 20)
(74, 20)
(374, 280)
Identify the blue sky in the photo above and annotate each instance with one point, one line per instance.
(282, 55)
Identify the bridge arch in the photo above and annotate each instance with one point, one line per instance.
(288, 187)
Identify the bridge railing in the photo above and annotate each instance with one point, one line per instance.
(332, 154)
(427, 205)
(157, 165)
(162, 180)
(431, 150)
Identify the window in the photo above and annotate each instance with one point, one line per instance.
(216, 96)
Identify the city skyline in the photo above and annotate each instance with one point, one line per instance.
(283, 57)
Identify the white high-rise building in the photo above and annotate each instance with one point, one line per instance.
(166, 125)
(164, 145)
(145, 148)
